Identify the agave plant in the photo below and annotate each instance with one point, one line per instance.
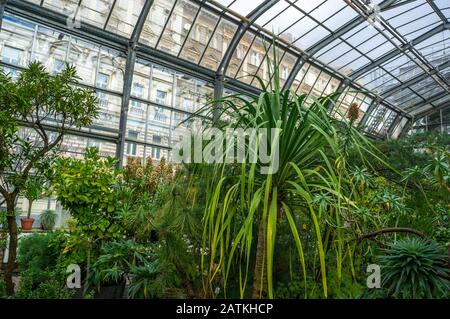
(244, 206)
(415, 268)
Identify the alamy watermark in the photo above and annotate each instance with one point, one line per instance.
(73, 280)
(374, 279)
(234, 145)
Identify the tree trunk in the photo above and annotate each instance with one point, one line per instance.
(30, 204)
(12, 248)
(259, 276)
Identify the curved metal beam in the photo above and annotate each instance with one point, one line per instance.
(141, 21)
(128, 81)
(328, 40)
(433, 110)
(429, 100)
(412, 81)
(344, 29)
(243, 27)
(395, 52)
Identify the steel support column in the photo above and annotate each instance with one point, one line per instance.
(128, 81)
(218, 94)
(297, 67)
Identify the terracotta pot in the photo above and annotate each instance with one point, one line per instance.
(27, 223)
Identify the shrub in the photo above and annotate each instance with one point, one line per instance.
(48, 219)
(42, 277)
(414, 268)
(36, 253)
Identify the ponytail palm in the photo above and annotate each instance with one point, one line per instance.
(245, 207)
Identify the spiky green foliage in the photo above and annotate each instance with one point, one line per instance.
(415, 268)
(244, 207)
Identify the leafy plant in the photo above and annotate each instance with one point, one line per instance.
(36, 97)
(244, 207)
(42, 277)
(116, 258)
(33, 190)
(48, 219)
(415, 268)
(51, 284)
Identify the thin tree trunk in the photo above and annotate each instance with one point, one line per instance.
(30, 204)
(12, 248)
(259, 276)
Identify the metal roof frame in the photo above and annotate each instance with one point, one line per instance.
(134, 49)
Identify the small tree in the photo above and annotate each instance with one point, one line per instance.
(33, 190)
(29, 107)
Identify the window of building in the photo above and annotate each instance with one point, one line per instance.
(161, 96)
(102, 80)
(156, 152)
(138, 90)
(254, 58)
(11, 55)
(159, 114)
(132, 147)
(92, 143)
(58, 66)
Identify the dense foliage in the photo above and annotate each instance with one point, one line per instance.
(336, 203)
(27, 147)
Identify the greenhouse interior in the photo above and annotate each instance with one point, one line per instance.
(224, 149)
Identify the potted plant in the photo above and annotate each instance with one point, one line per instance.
(48, 219)
(33, 191)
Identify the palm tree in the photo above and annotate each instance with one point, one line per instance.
(241, 200)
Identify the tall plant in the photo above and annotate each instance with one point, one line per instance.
(27, 106)
(245, 207)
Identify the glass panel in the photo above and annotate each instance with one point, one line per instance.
(162, 86)
(16, 41)
(124, 17)
(378, 80)
(444, 6)
(240, 54)
(199, 36)
(66, 7)
(50, 48)
(95, 12)
(109, 113)
(155, 22)
(84, 56)
(112, 64)
(141, 80)
(185, 92)
(218, 44)
(178, 27)
(243, 7)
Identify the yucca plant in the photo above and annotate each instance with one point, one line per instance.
(415, 268)
(244, 207)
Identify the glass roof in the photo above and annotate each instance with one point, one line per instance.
(398, 50)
